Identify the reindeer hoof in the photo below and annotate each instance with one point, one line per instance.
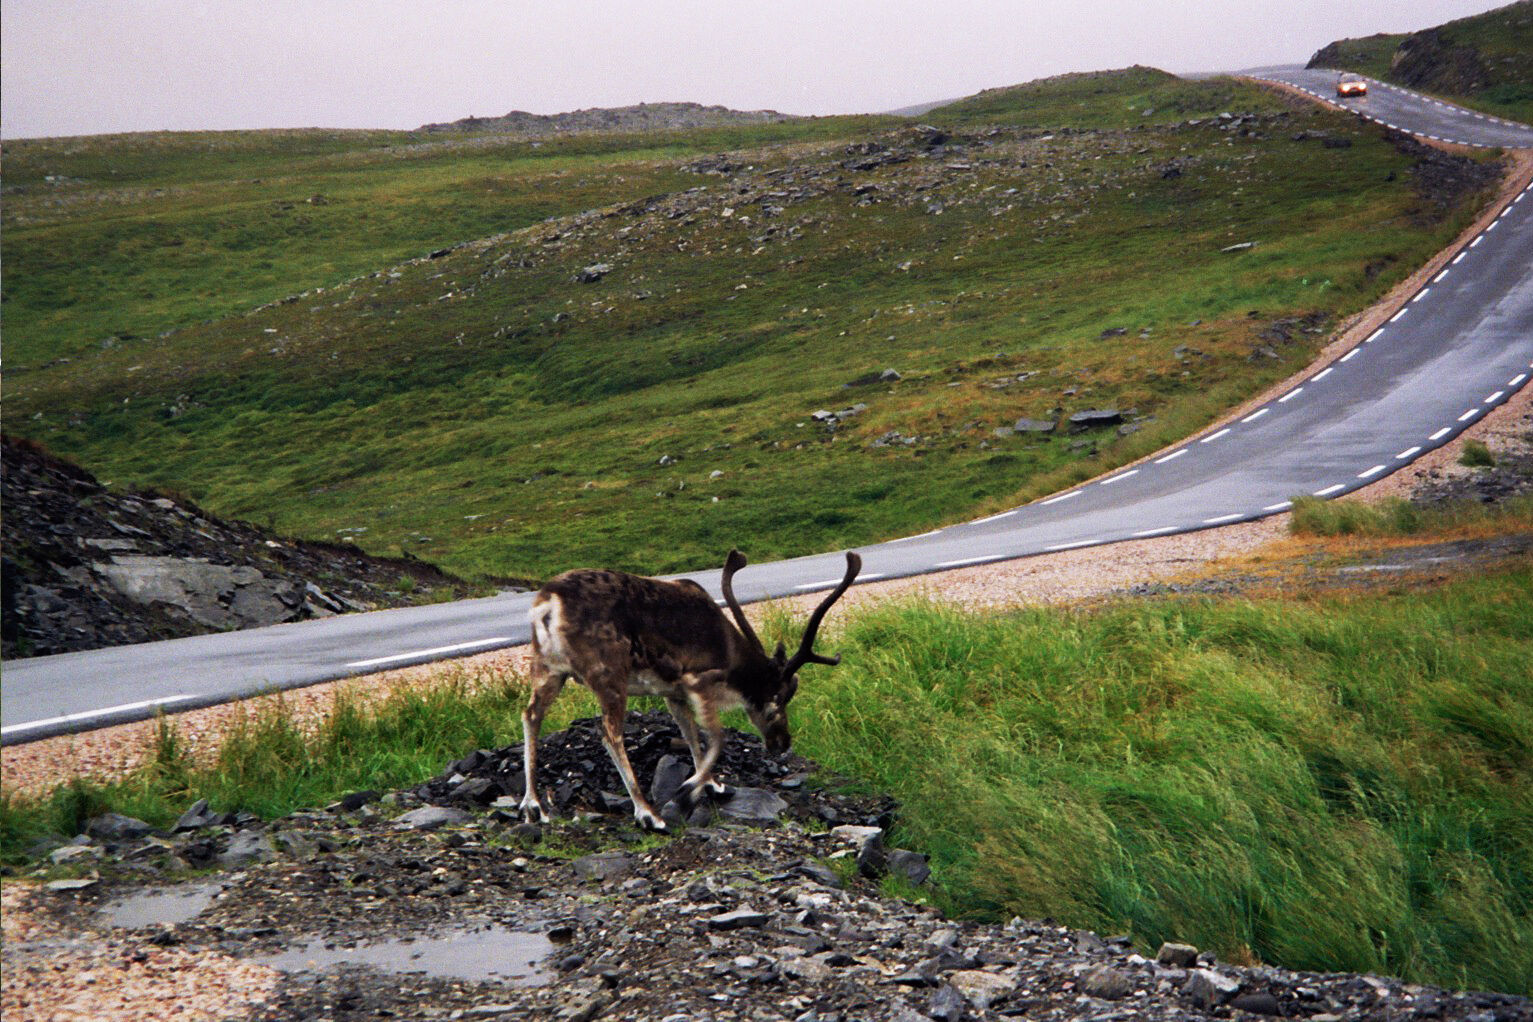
(532, 811)
(649, 821)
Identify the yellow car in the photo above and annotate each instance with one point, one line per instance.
(1351, 87)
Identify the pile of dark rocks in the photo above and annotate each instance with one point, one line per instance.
(87, 567)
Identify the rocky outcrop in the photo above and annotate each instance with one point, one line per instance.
(86, 567)
(642, 117)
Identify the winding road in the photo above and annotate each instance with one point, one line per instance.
(1457, 348)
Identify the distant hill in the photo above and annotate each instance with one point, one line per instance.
(1485, 61)
(643, 117)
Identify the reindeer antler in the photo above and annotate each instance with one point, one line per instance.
(806, 653)
(733, 563)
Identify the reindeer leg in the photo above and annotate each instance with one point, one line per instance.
(705, 710)
(614, 707)
(679, 710)
(546, 686)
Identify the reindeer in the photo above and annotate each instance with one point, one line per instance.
(620, 635)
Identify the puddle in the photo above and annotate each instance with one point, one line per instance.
(494, 954)
(167, 905)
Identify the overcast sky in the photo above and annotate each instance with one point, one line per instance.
(72, 67)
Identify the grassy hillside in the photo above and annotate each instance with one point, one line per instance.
(1038, 252)
(1484, 61)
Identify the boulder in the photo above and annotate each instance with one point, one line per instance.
(430, 818)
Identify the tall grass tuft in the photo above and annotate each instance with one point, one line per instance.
(1394, 516)
(1346, 785)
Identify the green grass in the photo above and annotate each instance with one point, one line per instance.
(1394, 516)
(484, 411)
(1336, 784)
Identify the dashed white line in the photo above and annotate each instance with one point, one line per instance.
(1280, 506)
(1330, 490)
(74, 718)
(1476, 241)
(1421, 294)
(1216, 436)
(1062, 496)
(907, 539)
(1258, 414)
(1440, 276)
(831, 583)
(1469, 415)
(1374, 336)
(1409, 452)
(1072, 546)
(1173, 454)
(1397, 315)
(1349, 354)
(1492, 399)
(995, 518)
(1516, 381)
(435, 651)
(1458, 258)
(1290, 395)
(1441, 433)
(1375, 470)
(970, 560)
(1155, 532)
(1223, 518)
(1122, 475)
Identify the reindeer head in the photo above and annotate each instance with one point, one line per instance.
(766, 702)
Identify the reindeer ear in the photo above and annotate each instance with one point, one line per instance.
(782, 653)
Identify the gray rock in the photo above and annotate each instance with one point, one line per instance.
(74, 853)
(71, 885)
(591, 274)
(1106, 982)
(116, 827)
(738, 919)
(1177, 956)
(246, 847)
(910, 865)
(872, 860)
(666, 784)
(1092, 418)
(430, 818)
(1034, 426)
(603, 866)
(810, 970)
(1206, 988)
(981, 989)
(198, 817)
(946, 1004)
(1263, 1003)
(753, 806)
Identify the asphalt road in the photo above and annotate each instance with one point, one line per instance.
(1459, 347)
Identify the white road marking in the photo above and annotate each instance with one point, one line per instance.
(1374, 336)
(1408, 453)
(1283, 506)
(1173, 454)
(1476, 241)
(1156, 532)
(1223, 518)
(1516, 381)
(1330, 490)
(1492, 226)
(907, 539)
(970, 560)
(1123, 475)
(1441, 433)
(1469, 415)
(1063, 496)
(1216, 436)
(1421, 294)
(1494, 397)
(1258, 414)
(73, 718)
(1458, 258)
(1322, 374)
(1290, 395)
(1440, 276)
(1072, 546)
(460, 647)
(994, 518)
(1375, 470)
(1349, 354)
(1397, 315)
(831, 583)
